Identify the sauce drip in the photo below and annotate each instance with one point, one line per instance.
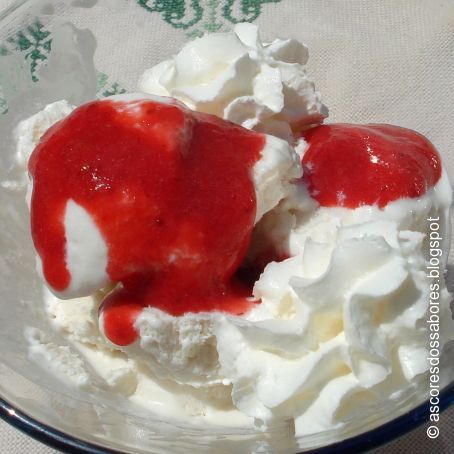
(352, 165)
(171, 193)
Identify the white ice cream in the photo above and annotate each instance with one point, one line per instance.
(236, 76)
(86, 251)
(342, 322)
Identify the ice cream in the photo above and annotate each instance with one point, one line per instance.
(336, 320)
(192, 191)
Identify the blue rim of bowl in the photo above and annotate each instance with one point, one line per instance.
(359, 443)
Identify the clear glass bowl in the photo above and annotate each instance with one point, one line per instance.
(46, 54)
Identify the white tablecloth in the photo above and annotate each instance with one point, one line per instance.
(14, 442)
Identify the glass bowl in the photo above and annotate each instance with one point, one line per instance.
(372, 61)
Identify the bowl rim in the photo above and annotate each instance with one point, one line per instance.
(363, 442)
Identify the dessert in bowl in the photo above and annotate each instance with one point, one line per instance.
(255, 277)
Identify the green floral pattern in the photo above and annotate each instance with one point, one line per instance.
(105, 88)
(3, 103)
(195, 17)
(178, 13)
(250, 10)
(35, 42)
(198, 17)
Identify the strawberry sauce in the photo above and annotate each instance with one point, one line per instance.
(352, 165)
(171, 193)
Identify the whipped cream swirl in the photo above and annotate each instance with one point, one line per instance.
(236, 76)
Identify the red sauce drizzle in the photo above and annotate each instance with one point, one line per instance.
(353, 165)
(172, 195)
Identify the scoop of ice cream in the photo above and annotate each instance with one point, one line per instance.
(176, 222)
(235, 76)
(353, 165)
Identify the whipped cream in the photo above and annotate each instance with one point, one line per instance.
(236, 76)
(352, 302)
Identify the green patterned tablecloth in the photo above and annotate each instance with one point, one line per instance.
(329, 44)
